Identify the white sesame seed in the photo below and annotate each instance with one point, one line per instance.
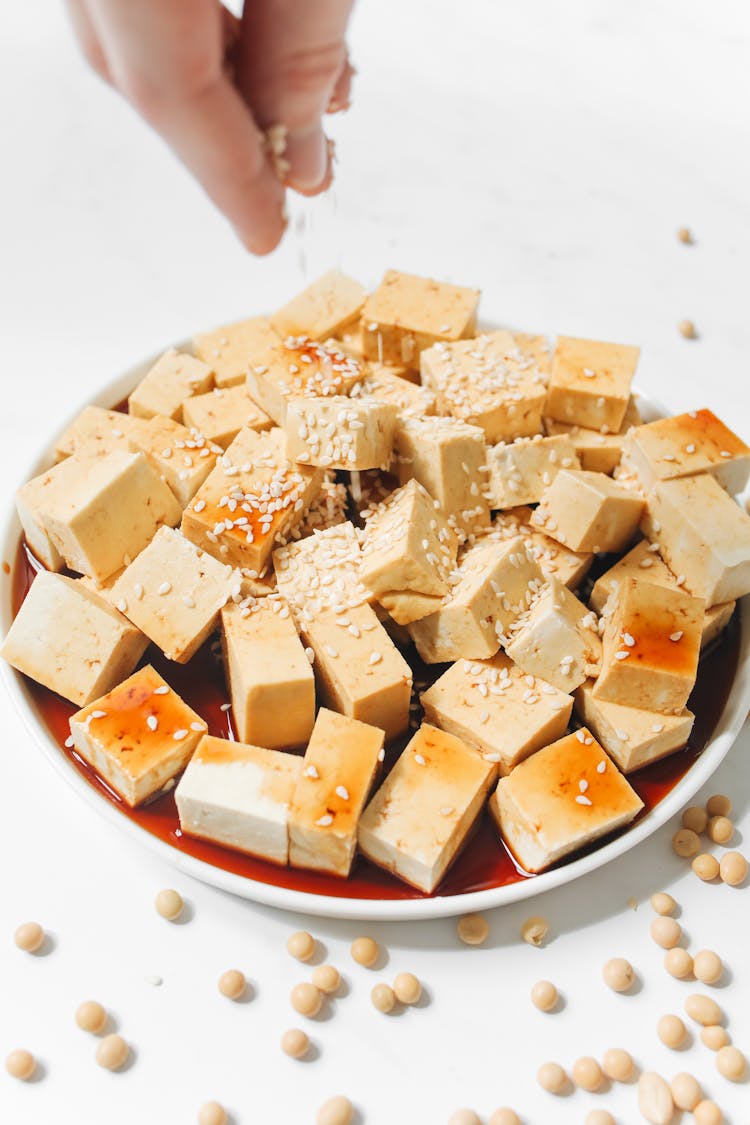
(122, 605)
(657, 728)
(628, 639)
(601, 767)
(676, 636)
(446, 810)
(152, 722)
(164, 588)
(419, 760)
(582, 800)
(70, 742)
(98, 715)
(324, 821)
(375, 657)
(623, 654)
(580, 736)
(197, 726)
(180, 734)
(583, 785)
(226, 707)
(163, 689)
(311, 771)
(138, 591)
(342, 792)
(331, 651)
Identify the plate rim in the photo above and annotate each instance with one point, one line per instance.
(726, 733)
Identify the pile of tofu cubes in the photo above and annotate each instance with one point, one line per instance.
(358, 479)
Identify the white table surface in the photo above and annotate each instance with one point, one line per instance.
(546, 153)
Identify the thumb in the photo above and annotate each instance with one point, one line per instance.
(290, 58)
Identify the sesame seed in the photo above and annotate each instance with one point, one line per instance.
(628, 639)
(657, 728)
(197, 726)
(623, 654)
(342, 792)
(311, 771)
(582, 800)
(331, 651)
(226, 707)
(98, 715)
(180, 734)
(583, 785)
(580, 736)
(164, 588)
(419, 760)
(70, 742)
(324, 821)
(163, 689)
(375, 657)
(152, 722)
(676, 636)
(446, 810)
(601, 767)
(122, 605)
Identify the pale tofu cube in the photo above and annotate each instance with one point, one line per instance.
(99, 512)
(323, 308)
(252, 499)
(322, 572)
(558, 639)
(183, 458)
(703, 536)
(599, 451)
(590, 383)
(560, 800)
(239, 796)
(174, 593)
(684, 445)
(230, 349)
(338, 432)
(173, 378)
(632, 736)
(555, 560)
(644, 562)
(223, 412)
(95, 431)
(407, 314)
(449, 458)
(382, 384)
(408, 554)
(301, 368)
(31, 500)
(520, 471)
(338, 770)
(423, 812)
(358, 669)
(652, 641)
(71, 640)
(494, 584)
(493, 706)
(588, 512)
(271, 682)
(489, 382)
(138, 736)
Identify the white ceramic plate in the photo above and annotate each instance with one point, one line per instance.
(727, 730)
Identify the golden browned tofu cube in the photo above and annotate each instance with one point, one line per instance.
(447, 457)
(598, 451)
(590, 383)
(223, 412)
(139, 736)
(632, 736)
(407, 314)
(560, 800)
(588, 512)
(183, 458)
(557, 639)
(230, 349)
(520, 471)
(338, 432)
(652, 641)
(96, 431)
(173, 378)
(555, 560)
(338, 770)
(301, 368)
(697, 442)
(323, 309)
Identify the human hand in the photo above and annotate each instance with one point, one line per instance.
(212, 86)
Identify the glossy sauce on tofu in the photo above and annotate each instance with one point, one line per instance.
(482, 864)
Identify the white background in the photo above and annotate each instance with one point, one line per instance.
(546, 153)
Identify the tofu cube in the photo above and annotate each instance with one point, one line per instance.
(488, 382)
(358, 669)
(95, 431)
(407, 314)
(337, 773)
(494, 584)
(183, 458)
(71, 640)
(322, 572)
(239, 796)
(703, 536)
(555, 560)
(301, 368)
(652, 642)
(252, 499)
(493, 706)
(644, 562)
(31, 500)
(599, 451)
(230, 349)
(174, 593)
(684, 445)
(408, 554)
(270, 679)
(588, 512)
(173, 378)
(223, 412)
(328, 509)
(410, 401)
(558, 639)
(449, 458)
(338, 432)
(590, 383)
(99, 512)
(138, 736)
(560, 800)
(425, 809)
(520, 471)
(632, 736)
(323, 309)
